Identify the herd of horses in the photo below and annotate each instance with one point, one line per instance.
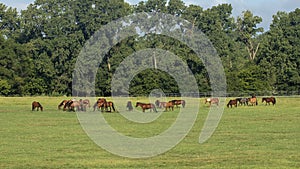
(108, 106)
(253, 101)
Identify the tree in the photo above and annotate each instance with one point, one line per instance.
(248, 31)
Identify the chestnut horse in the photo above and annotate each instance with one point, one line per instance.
(253, 101)
(167, 105)
(37, 106)
(104, 105)
(145, 106)
(212, 101)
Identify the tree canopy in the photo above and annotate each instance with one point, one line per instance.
(39, 47)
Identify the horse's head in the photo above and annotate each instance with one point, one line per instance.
(137, 104)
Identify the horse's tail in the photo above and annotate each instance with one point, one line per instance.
(228, 103)
(274, 100)
(113, 107)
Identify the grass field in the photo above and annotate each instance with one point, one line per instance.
(247, 137)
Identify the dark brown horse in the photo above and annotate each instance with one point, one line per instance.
(212, 101)
(269, 100)
(62, 104)
(129, 106)
(178, 102)
(37, 106)
(242, 101)
(232, 103)
(145, 106)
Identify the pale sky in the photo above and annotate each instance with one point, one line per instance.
(263, 8)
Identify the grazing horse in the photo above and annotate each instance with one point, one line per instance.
(157, 103)
(232, 103)
(178, 102)
(268, 100)
(37, 106)
(129, 106)
(253, 101)
(72, 105)
(83, 104)
(104, 105)
(100, 101)
(62, 104)
(145, 106)
(167, 105)
(212, 101)
(242, 101)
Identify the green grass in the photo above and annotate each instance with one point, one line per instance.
(247, 137)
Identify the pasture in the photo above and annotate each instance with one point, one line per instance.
(247, 137)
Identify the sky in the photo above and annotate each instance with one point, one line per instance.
(263, 8)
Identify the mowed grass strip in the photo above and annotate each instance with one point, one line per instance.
(247, 137)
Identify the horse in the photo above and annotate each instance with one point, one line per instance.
(178, 102)
(62, 104)
(129, 106)
(242, 101)
(104, 105)
(212, 101)
(145, 106)
(72, 106)
(232, 103)
(37, 106)
(253, 101)
(99, 102)
(157, 103)
(268, 100)
(167, 105)
(83, 104)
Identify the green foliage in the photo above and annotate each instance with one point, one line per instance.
(39, 46)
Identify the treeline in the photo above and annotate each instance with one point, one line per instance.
(39, 47)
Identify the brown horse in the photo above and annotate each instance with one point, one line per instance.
(72, 106)
(212, 101)
(232, 103)
(100, 101)
(253, 101)
(178, 102)
(37, 106)
(167, 105)
(103, 104)
(62, 104)
(268, 100)
(145, 106)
